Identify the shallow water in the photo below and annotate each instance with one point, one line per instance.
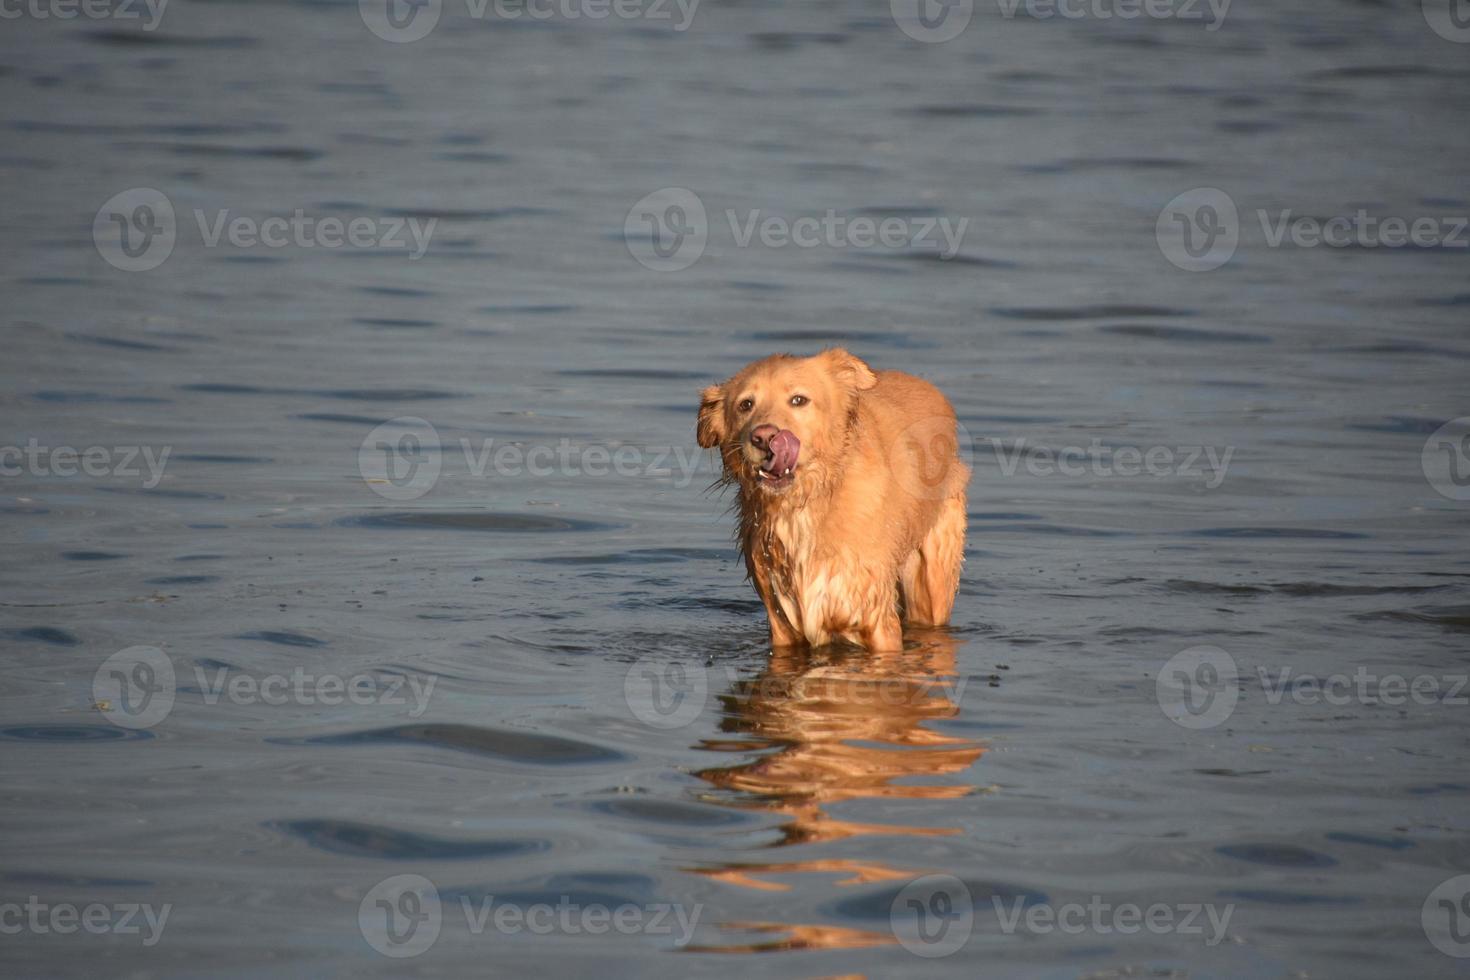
(567, 700)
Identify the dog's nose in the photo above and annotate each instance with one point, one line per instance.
(762, 434)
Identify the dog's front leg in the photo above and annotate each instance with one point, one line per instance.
(783, 633)
(884, 634)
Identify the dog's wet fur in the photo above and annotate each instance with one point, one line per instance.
(850, 495)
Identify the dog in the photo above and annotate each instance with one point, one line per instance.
(850, 494)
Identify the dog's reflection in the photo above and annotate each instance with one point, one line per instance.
(839, 725)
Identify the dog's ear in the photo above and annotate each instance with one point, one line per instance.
(852, 370)
(710, 430)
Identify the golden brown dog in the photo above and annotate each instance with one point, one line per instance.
(851, 495)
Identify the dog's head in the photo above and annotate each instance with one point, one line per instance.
(784, 419)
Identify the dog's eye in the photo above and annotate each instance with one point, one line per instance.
(799, 400)
(746, 404)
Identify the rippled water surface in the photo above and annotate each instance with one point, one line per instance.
(569, 699)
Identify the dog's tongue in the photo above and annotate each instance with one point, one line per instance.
(784, 447)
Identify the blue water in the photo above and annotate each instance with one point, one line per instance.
(565, 700)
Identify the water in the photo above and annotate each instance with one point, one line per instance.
(566, 700)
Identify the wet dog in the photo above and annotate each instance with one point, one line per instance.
(850, 493)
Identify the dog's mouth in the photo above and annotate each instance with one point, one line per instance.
(778, 470)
